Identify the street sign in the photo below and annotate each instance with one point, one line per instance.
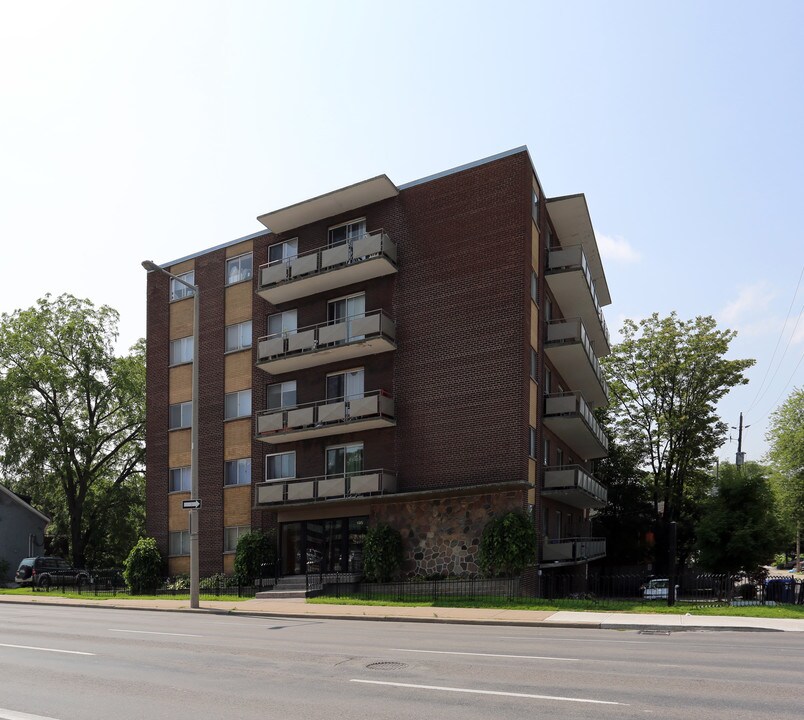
(190, 504)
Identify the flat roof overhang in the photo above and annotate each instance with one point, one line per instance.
(330, 204)
(570, 216)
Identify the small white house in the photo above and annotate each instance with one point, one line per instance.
(22, 532)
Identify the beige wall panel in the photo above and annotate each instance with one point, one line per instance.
(534, 326)
(237, 506)
(182, 267)
(179, 448)
(181, 384)
(534, 247)
(179, 565)
(240, 248)
(237, 439)
(534, 400)
(181, 319)
(178, 519)
(228, 563)
(238, 303)
(237, 371)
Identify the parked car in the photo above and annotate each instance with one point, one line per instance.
(657, 589)
(42, 572)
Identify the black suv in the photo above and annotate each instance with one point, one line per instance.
(46, 571)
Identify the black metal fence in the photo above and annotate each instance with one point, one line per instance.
(453, 589)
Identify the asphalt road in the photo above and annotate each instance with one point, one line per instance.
(86, 664)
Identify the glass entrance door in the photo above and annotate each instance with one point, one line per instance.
(326, 546)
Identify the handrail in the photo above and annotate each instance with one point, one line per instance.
(326, 323)
(583, 410)
(585, 342)
(582, 480)
(327, 401)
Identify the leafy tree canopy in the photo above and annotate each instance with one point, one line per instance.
(72, 423)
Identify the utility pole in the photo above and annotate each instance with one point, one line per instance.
(740, 459)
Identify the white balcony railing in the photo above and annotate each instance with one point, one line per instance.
(325, 487)
(572, 331)
(571, 405)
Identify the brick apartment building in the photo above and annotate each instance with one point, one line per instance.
(423, 355)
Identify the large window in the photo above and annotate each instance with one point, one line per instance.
(237, 472)
(280, 466)
(180, 479)
(346, 232)
(345, 459)
(238, 336)
(284, 323)
(534, 286)
(283, 252)
(239, 268)
(179, 543)
(237, 404)
(347, 310)
(180, 416)
(281, 395)
(546, 458)
(534, 365)
(346, 385)
(181, 350)
(231, 535)
(535, 209)
(179, 291)
(532, 449)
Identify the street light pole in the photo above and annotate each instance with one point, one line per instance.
(151, 266)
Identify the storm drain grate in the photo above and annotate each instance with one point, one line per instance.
(654, 632)
(386, 666)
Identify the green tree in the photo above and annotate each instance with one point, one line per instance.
(666, 377)
(143, 568)
(382, 553)
(786, 438)
(72, 423)
(739, 530)
(508, 544)
(254, 549)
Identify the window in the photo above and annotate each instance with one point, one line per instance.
(548, 380)
(558, 524)
(345, 385)
(559, 457)
(532, 450)
(535, 209)
(546, 458)
(280, 466)
(284, 323)
(180, 479)
(231, 535)
(179, 543)
(347, 310)
(345, 459)
(345, 233)
(534, 365)
(180, 416)
(238, 337)
(178, 291)
(534, 286)
(237, 404)
(239, 268)
(548, 310)
(283, 252)
(281, 395)
(237, 472)
(181, 350)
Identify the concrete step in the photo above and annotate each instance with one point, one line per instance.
(280, 594)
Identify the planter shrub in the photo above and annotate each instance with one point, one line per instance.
(508, 545)
(254, 549)
(142, 568)
(382, 553)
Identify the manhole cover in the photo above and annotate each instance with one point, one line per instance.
(386, 666)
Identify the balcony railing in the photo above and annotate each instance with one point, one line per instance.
(571, 484)
(569, 347)
(573, 550)
(359, 259)
(569, 417)
(561, 260)
(326, 417)
(366, 334)
(326, 487)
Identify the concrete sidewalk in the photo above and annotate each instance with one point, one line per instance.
(480, 616)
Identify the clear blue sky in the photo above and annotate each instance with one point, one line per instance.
(154, 129)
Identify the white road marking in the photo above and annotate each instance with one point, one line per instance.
(31, 647)
(13, 715)
(151, 632)
(518, 657)
(488, 692)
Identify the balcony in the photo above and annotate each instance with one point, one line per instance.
(574, 486)
(352, 337)
(327, 268)
(569, 349)
(326, 417)
(573, 550)
(325, 488)
(570, 281)
(571, 419)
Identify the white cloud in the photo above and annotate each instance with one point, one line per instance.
(614, 248)
(751, 305)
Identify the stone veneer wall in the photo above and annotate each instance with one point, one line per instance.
(441, 536)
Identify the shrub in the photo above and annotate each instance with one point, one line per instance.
(508, 545)
(254, 549)
(382, 553)
(142, 568)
